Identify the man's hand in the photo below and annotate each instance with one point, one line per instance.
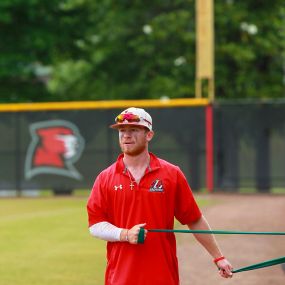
(134, 232)
(225, 268)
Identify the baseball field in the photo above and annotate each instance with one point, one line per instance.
(46, 241)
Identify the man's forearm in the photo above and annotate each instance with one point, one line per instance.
(107, 232)
(208, 241)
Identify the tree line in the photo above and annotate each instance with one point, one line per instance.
(62, 50)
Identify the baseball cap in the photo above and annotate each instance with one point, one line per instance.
(133, 116)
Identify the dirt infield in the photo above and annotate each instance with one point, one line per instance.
(244, 213)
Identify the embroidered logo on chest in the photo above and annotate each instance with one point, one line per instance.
(118, 187)
(156, 186)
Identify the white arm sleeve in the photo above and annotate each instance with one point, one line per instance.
(105, 231)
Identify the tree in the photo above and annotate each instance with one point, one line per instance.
(34, 35)
(145, 50)
(90, 50)
(250, 49)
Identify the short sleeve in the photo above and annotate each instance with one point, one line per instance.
(96, 205)
(186, 208)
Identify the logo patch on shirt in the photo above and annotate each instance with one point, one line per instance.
(156, 186)
(119, 187)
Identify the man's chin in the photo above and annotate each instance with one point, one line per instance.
(132, 152)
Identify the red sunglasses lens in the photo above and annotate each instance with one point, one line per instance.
(131, 118)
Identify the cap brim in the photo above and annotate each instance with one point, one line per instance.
(116, 126)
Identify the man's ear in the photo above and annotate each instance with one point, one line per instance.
(149, 135)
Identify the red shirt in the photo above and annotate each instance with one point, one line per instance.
(162, 194)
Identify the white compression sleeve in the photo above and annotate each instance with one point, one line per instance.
(105, 231)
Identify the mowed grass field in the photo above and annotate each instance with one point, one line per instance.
(46, 241)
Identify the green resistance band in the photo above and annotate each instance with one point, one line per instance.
(266, 263)
(220, 232)
(216, 232)
(247, 268)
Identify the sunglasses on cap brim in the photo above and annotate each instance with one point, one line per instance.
(130, 118)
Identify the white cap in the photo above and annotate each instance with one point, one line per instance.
(128, 117)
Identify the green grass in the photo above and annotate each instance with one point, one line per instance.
(45, 241)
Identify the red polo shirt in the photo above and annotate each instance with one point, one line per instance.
(162, 194)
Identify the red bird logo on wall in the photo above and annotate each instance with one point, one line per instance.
(55, 146)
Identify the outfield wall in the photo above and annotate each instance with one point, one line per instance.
(250, 145)
(63, 146)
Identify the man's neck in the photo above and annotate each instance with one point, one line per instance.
(138, 161)
(137, 165)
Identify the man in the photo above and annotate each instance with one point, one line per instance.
(142, 190)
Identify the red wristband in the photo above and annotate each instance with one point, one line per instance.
(218, 259)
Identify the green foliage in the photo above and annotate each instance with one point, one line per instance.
(250, 49)
(34, 35)
(130, 52)
(88, 50)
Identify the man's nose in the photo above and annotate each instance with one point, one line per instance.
(128, 132)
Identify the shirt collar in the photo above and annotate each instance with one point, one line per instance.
(153, 164)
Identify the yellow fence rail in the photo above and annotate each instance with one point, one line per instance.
(113, 104)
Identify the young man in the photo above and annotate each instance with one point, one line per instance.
(142, 190)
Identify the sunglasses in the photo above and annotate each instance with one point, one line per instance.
(131, 118)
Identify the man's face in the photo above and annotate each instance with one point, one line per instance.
(134, 139)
